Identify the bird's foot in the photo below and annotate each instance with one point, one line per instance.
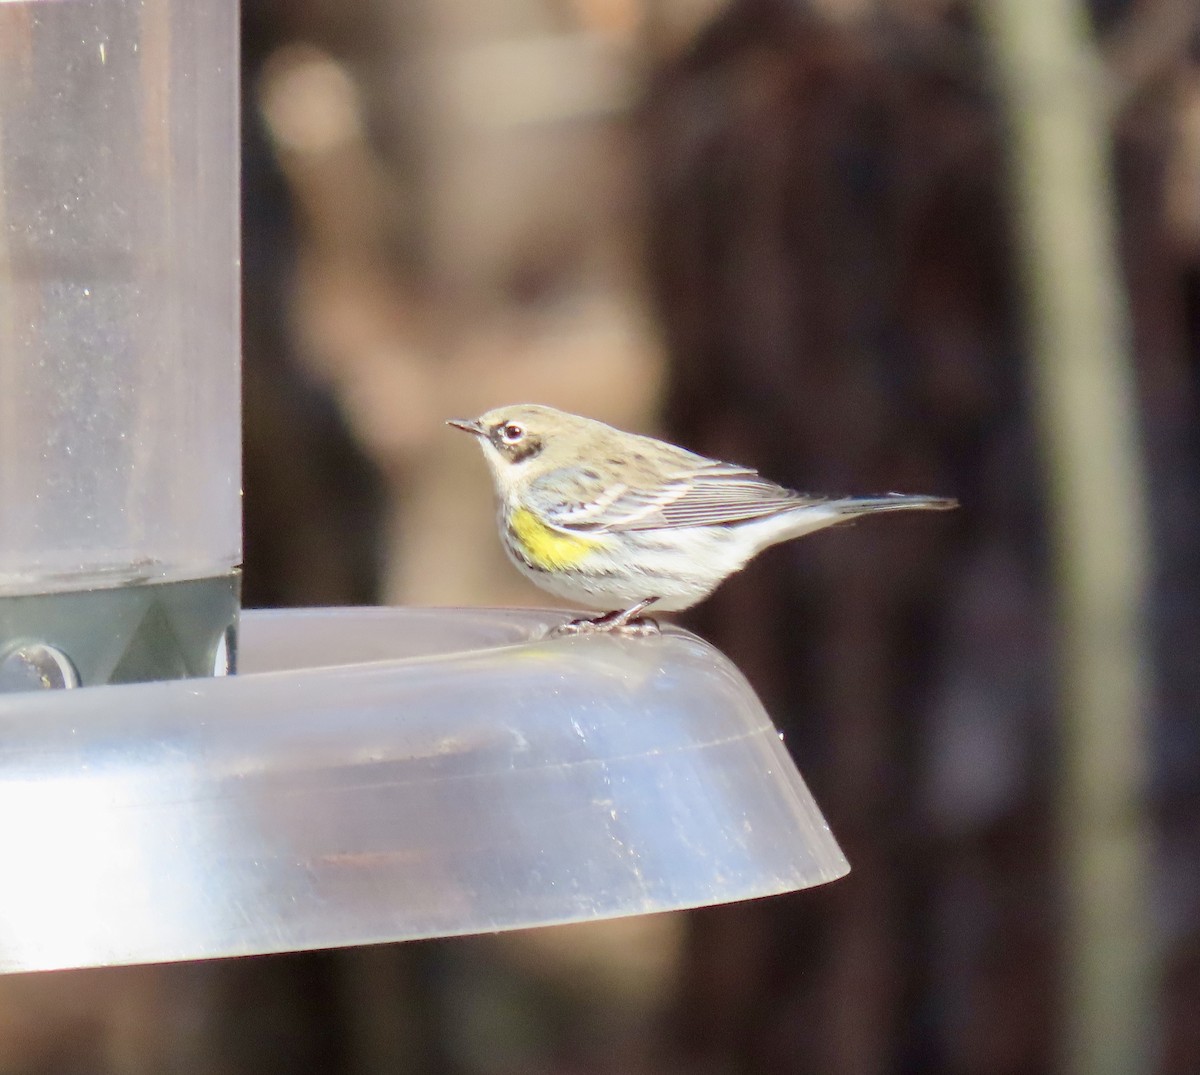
(629, 623)
(638, 627)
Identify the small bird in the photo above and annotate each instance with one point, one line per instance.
(619, 522)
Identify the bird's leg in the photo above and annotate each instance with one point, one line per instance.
(629, 622)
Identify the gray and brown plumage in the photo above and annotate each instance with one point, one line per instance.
(616, 521)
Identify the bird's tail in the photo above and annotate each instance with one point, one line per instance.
(818, 514)
(865, 505)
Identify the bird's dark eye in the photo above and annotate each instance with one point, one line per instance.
(511, 433)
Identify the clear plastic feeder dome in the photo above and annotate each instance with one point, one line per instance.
(387, 774)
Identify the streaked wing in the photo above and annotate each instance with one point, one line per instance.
(708, 494)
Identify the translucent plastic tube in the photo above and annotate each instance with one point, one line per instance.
(119, 399)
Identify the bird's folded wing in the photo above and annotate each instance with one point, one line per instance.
(713, 494)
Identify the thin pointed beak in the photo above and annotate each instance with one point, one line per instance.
(467, 426)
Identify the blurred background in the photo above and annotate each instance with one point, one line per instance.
(862, 245)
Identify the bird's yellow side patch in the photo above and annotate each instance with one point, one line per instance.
(545, 547)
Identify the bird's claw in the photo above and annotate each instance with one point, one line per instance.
(639, 627)
(629, 624)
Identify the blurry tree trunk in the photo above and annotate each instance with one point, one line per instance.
(1084, 395)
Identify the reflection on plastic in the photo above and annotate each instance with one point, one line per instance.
(388, 774)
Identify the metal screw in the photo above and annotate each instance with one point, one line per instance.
(35, 666)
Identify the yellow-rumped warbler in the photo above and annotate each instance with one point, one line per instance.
(617, 521)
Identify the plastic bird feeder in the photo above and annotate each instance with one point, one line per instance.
(370, 774)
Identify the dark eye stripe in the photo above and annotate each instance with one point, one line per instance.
(526, 449)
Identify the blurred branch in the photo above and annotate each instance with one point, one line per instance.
(1085, 394)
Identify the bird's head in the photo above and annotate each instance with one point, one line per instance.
(525, 439)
